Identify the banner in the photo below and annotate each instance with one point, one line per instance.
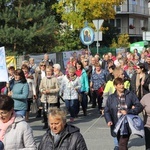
(11, 61)
(68, 54)
(3, 67)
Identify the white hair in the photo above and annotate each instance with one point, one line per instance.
(57, 66)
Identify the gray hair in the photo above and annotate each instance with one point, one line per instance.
(57, 66)
(57, 112)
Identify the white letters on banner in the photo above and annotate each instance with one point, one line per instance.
(3, 67)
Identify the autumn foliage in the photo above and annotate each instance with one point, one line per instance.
(76, 12)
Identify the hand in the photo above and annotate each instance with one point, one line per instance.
(124, 112)
(92, 89)
(86, 93)
(44, 92)
(10, 93)
(109, 123)
(34, 97)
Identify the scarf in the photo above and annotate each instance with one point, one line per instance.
(139, 87)
(4, 126)
(78, 72)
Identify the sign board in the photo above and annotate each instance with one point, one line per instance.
(98, 23)
(87, 35)
(98, 36)
(138, 45)
(146, 36)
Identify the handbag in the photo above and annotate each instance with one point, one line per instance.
(100, 91)
(34, 107)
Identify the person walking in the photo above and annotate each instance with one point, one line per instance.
(69, 89)
(121, 102)
(49, 89)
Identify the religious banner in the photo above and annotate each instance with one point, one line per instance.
(3, 67)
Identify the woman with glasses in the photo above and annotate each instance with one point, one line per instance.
(20, 92)
(15, 133)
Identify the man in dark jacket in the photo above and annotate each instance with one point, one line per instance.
(120, 103)
(61, 136)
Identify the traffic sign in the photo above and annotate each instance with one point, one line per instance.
(98, 23)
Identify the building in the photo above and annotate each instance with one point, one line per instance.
(133, 17)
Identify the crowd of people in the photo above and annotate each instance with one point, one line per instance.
(114, 85)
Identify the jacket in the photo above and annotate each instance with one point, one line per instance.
(133, 123)
(146, 104)
(110, 89)
(84, 82)
(145, 85)
(111, 108)
(19, 136)
(50, 84)
(68, 88)
(70, 139)
(20, 94)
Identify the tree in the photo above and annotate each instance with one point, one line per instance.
(67, 39)
(109, 32)
(122, 41)
(76, 12)
(27, 25)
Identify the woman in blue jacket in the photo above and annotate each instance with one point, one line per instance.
(20, 92)
(81, 73)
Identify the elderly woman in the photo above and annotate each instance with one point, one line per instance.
(15, 133)
(20, 92)
(69, 89)
(98, 79)
(49, 88)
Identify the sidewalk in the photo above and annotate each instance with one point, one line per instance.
(94, 130)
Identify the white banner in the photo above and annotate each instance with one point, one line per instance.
(3, 67)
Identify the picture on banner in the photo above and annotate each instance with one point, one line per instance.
(87, 35)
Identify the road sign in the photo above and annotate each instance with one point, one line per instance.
(98, 23)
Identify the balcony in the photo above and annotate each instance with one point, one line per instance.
(136, 31)
(132, 9)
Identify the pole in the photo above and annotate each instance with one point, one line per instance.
(97, 35)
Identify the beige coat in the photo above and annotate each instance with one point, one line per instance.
(50, 84)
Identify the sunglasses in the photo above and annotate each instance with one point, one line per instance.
(138, 68)
(43, 65)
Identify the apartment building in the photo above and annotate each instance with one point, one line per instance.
(132, 17)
